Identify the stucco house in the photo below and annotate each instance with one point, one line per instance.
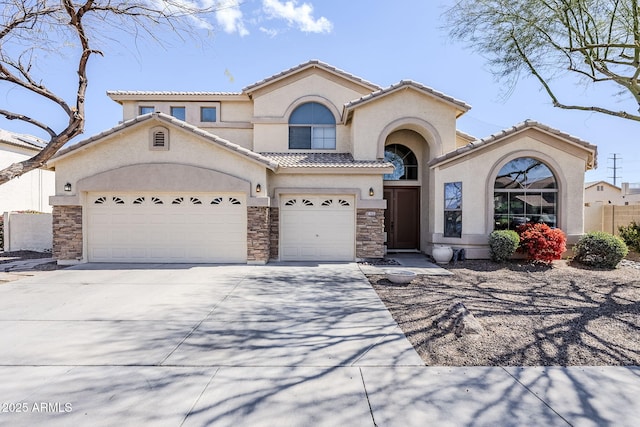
(312, 163)
(602, 192)
(32, 190)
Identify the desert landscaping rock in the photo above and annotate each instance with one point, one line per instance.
(532, 315)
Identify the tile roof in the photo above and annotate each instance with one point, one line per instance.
(323, 160)
(179, 123)
(163, 93)
(309, 64)
(22, 140)
(527, 124)
(408, 83)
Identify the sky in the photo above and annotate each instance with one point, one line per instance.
(382, 42)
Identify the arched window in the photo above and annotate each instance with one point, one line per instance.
(525, 191)
(405, 162)
(312, 126)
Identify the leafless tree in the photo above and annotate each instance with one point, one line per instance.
(33, 29)
(596, 41)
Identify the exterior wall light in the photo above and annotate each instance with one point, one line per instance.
(67, 186)
(258, 188)
(371, 192)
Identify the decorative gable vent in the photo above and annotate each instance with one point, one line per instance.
(159, 138)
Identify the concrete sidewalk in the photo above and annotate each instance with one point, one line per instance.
(290, 345)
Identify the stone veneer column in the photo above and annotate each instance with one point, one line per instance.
(258, 238)
(67, 233)
(370, 233)
(274, 233)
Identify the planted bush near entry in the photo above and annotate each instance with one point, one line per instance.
(503, 244)
(600, 250)
(542, 243)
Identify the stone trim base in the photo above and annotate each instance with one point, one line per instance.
(258, 237)
(370, 233)
(67, 233)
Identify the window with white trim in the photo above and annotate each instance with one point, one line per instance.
(146, 110)
(179, 113)
(453, 209)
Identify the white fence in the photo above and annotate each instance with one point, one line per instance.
(27, 232)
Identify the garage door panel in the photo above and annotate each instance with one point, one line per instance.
(167, 228)
(317, 227)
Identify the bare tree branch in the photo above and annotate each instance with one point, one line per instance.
(28, 26)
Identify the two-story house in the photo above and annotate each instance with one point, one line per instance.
(312, 163)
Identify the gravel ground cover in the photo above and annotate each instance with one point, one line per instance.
(532, 315)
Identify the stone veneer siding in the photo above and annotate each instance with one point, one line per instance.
(258, 237)
(67, 232)
(370, 233)
(274, 232)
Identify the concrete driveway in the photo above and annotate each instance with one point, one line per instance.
(285, 345)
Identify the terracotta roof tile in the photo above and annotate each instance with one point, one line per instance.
(527, 124)
(408, 83)
(323, 160)
(311, 63)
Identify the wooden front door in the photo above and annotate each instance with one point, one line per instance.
(402, 217)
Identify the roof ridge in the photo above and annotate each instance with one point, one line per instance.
(310, 63)
(407, 82)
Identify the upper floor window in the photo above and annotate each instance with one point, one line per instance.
(208, 114)
(312, 126)
(404, 162)
(146, 110)
(179, 113)
(525, 191)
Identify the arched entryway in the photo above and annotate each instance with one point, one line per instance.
(402, 193)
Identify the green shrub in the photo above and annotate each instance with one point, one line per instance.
(503, 244)
(600, 250)
(631, 235)
(542, 243)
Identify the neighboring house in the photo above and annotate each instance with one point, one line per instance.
(312, 163)
(602, 192)
(631, 193)
(32, 190)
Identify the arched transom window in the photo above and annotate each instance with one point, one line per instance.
(525, 191)
(312, 126)
(404, 161)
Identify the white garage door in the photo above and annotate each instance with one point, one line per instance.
(317, 228)
(145, 227)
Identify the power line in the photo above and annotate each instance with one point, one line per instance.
(615, 168)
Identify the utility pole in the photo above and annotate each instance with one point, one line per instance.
(615, 168)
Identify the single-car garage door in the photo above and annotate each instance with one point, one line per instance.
(317, 228)
(156, 227)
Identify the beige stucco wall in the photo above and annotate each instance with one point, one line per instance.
(233, 124)
(319, 183)
(30, 191)
(131, 147)
(272, 109)
(405, 109)
(609, 194)
(567, 163)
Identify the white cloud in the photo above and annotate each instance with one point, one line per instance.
(271, 32)
(229, 17)
(300, 16)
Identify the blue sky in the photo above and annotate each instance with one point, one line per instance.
(383, 42)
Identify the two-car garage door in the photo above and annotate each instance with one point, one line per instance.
(159, 227)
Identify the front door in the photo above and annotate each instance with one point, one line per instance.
(402, 217)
